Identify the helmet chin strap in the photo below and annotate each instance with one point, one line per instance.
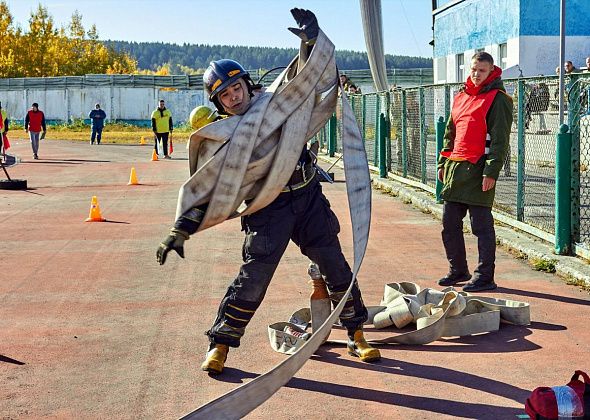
(249, 85)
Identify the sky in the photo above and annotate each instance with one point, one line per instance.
(406, 23)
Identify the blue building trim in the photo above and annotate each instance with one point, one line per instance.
(474, 23)
(534, 23)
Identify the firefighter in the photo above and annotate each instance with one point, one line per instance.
(300, 213)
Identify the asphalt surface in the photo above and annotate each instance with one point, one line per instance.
(94, 328)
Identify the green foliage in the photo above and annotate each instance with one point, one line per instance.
(77, 124)
(196, 57)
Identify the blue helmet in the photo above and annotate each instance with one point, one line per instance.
(222, 73)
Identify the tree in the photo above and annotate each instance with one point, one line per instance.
(45, 50)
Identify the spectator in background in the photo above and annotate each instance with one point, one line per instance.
(162, 127)
(537, 102)
(348, 86)
(34, 125)
(97, 117)
(354, 90)
(3, 130)
(570, 68)
(395, 117)
(587, 65)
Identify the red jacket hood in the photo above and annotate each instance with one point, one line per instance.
(471, 89)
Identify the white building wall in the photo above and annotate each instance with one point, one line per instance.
(450, 72)
(513, 55)
(540, 54)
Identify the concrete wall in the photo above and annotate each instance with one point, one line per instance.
(120, 103)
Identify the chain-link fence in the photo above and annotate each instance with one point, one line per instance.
(526, 186)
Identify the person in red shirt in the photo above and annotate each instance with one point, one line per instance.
(34, 125)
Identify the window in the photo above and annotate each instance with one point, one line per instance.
(441, 65)
(460, 67)
(503, 55)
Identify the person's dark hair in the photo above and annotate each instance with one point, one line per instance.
(35, 104)
(483, 56)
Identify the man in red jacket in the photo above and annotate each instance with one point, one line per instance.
(477, 139)
(34, 124)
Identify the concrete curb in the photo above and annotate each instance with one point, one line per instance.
(539, 253)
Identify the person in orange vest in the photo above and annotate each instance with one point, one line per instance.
(35, 125)
(475, 147)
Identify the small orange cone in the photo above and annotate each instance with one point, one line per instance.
(133, 178)
(95, 215)
(142, 140)
(154, 155)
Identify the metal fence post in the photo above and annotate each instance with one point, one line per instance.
(404, 135)
(388, 130)
(520, 153)
(381, 128)
(440, 134)
(377, 118)
(573, 108)
(332, 135)
(563, 193)
(423, 136)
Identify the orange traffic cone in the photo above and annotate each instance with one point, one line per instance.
(95, 215)
(154, 155)
(142, 140)
(133, 178)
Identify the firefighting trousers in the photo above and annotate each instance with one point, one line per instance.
(305, 217)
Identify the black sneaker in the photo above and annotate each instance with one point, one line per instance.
(453, 278)
(479, 286)
(35, 156)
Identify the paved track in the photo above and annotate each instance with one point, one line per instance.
(92, 327)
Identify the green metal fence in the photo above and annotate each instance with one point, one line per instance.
(527, 184)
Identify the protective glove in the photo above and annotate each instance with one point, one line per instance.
(308, 25)
(174, 241)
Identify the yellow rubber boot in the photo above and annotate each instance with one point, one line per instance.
(358, 346)
(215, 359)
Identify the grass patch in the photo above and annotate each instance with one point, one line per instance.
(543, 264)
(571, 281)
(113, 133)
(516, 253)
